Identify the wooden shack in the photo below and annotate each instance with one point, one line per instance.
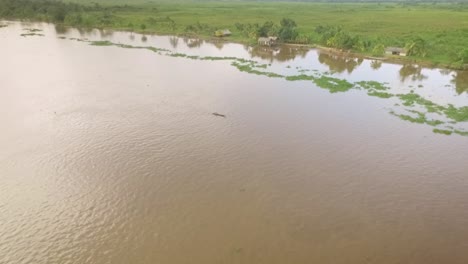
(395, 51)
(268, 41)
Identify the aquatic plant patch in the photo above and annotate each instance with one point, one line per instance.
(101, 43)
(442, 131)
(32, 30)
(372, 85)
(334, 85)
(380, 94)
(31, 35)
(415, 107)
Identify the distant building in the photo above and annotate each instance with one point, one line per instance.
(223, 33)
(269, 41)
(395, 51)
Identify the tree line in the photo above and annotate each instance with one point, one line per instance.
(286, 30)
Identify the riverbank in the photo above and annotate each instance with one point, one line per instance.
(213, 39)
(368, 26)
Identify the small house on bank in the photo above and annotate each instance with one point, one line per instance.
(269, 41)
(395, 51)
(223, 33)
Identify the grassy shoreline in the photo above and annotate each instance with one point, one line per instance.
(359, 29)
(389, 59)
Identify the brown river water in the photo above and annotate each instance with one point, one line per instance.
(113, 155)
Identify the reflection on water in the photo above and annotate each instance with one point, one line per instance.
(376, 64)
(174, 41)
(411, 75)
(122, 161)
(61, 29)
(105, 33)
(339, 63)
(460, 79)
(84, 32)
(193, 42)
(280, 53)
(413, 72)
(218, 44)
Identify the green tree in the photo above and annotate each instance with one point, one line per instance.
(417, 47)
(287, 31)
(327, 32)
(57, 13)
(74, 19)
(267, 29)
(378, 50)
(463, 56)
(341, 40)
(361, 44)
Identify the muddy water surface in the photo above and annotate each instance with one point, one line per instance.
(112, 155)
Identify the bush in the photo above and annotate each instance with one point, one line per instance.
(378, 50)
(287, 31)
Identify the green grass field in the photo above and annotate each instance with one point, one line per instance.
(443, 27)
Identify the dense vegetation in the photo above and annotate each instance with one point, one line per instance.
(361, 27)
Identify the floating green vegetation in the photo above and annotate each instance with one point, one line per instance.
(414, 104)
(302, 77)
(456, 114)
(218, 58)
(434, 122)
(442, 131)
(153, 49)
(79, 39)
(101, 43)
(181, 55)
(250, 68)
(334, 85)
(125, 46)
(461, 133)
(420, 118)
(413, 99)
(380, 94)
(32, 30)
(31, 35)
(372, 85)
(459, 114)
